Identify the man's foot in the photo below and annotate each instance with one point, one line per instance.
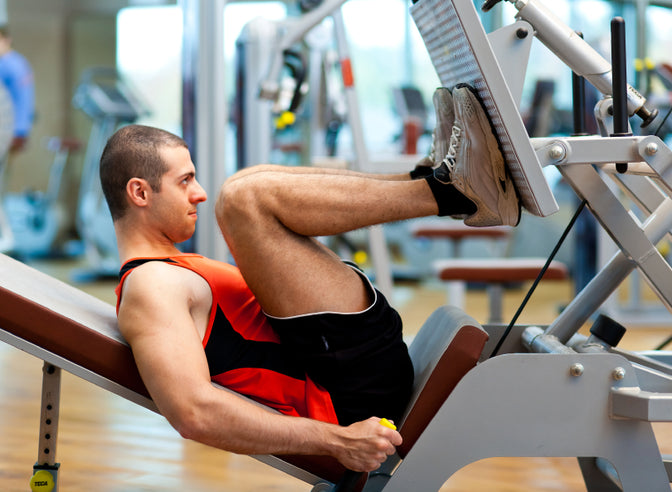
(445, 115)
(475, 166)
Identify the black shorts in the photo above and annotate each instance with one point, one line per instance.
(359, 358)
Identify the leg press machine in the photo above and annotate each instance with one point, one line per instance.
(548, 391)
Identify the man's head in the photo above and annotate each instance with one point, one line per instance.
(133, 152)
(5, 40)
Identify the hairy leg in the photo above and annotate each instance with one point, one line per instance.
(315, 170)
(270, 216)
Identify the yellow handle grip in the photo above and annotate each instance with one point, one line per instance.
(386, 423)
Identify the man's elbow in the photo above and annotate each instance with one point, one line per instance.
(189, 422)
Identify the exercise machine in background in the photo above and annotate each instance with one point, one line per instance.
(411, 108)
(266, 55)
(109, 101)
(264, 49)
(36, 217)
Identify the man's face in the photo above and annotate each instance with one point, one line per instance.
(5, 45)
(174, 206)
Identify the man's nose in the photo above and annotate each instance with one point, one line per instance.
(199, 194)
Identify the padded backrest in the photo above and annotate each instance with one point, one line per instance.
(82, 329)
(447, 346)
(65, 321)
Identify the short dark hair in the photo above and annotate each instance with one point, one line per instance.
(133, 152)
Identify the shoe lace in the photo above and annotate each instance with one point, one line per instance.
(432, 150)
(455, 137)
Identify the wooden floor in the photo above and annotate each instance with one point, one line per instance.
(107, 444)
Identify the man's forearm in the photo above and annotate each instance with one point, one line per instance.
(233, 424)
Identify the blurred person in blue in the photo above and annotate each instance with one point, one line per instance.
(17, 76)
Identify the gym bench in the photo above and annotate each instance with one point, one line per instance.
(516, 404)
(495, 273)
(72, 330)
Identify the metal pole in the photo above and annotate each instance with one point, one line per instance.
(204, 108)
(619, 84)
(640, 46)
(380, 255)
(45, 470)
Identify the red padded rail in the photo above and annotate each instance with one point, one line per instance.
(498, 270)
(456, 230)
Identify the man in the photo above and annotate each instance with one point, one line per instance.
(17, 76)
(291, 326)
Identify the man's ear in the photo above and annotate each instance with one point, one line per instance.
(137, 190)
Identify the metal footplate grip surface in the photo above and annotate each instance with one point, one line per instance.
(461, 53)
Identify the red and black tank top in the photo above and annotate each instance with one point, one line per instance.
(243, 352)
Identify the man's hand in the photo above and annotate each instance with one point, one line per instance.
(363, 446)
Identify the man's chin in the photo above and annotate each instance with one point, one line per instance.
(185, 237)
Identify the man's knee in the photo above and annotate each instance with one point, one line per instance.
(227, 198)
(237, 200)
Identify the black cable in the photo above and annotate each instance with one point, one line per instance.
(538, 279)
(662, 345)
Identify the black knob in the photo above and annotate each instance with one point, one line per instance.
(488, 4)
(607, 330)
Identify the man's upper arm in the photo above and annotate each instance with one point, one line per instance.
(155, 319)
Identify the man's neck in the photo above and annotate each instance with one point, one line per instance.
(132, 244)
(5, 47)
(126, 254)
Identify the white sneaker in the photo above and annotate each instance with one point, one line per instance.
(475, 166)
(445, 115)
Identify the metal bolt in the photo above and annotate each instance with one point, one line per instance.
(556, 152)
(521, 33)
(618, 373)
(651, 148)
(576, 369)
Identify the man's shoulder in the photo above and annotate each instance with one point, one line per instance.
(160, 277)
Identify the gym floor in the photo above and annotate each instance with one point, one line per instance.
(108, 444)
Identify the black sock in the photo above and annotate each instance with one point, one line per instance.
(449, 199)
(421, 172)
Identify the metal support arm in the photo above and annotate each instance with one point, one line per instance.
(577, 54)
(634, 403)
(649, 150)
(293, 30)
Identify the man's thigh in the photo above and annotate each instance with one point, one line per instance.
(360, 358)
